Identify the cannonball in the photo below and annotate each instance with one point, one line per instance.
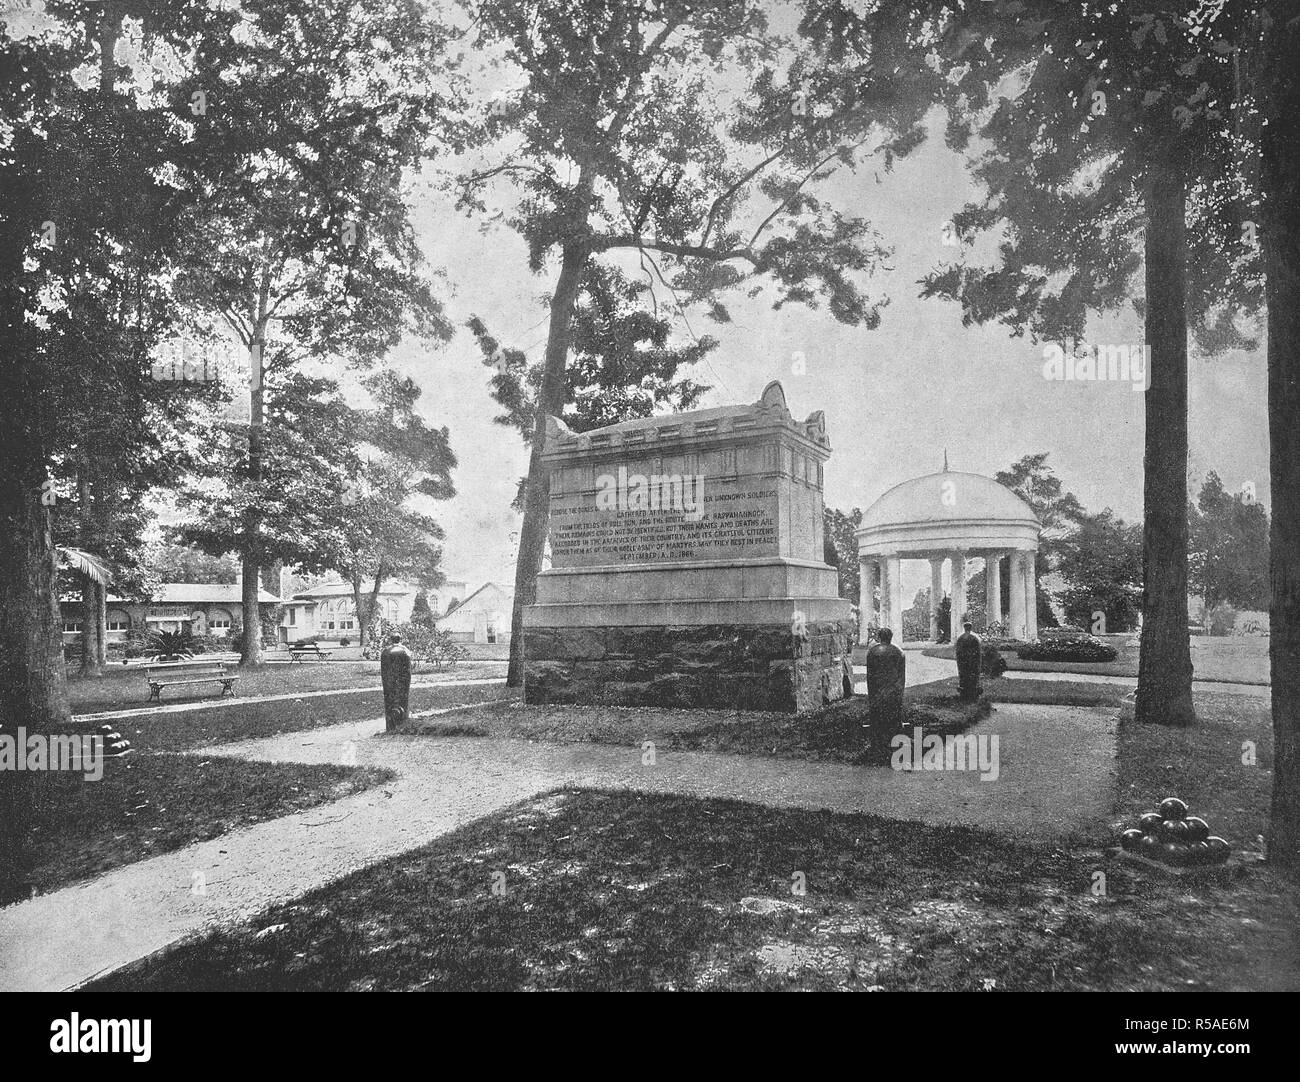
(1219, 849)
(1173, 808)
(1174, 854)
(1174, 830)
(1150, 846)
(1197, 828)
(1131, 840)
(1198, 853)
(1150, 822)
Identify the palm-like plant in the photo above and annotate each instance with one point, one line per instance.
(85, 563)
(171, 645)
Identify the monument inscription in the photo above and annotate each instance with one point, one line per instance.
(728, 525)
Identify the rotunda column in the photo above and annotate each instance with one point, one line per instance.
(993, 587)
(958, 595)
(936, 595)
(1016, 569)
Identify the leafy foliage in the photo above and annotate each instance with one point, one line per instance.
(1077, 107)
(1072, 648)
(1228, 558)
(171, 645)
(841, 549)
(1101, 562)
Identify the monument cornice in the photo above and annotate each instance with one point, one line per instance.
(766, 421)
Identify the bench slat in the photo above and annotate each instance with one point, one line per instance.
(198, 680)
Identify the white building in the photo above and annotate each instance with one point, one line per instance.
(483, 617)
(328, 611)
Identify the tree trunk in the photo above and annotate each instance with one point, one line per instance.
(89, 619)
(89, 600)
(101, 625)
(532, 534)
(33, 693)
(1281, 244)
(372, 614)
(251, 649)
(358, 609)
(1164, 692)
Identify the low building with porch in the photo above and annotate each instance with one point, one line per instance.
(201, 608)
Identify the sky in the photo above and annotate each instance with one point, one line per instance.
(895, 398)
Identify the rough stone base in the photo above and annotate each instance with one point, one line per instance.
(714, 666)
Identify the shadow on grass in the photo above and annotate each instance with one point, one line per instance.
(838, 733)
(587, 890)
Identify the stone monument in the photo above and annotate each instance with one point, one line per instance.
(686, 565)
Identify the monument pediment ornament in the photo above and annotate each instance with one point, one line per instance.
(769, 414)
(773, 397)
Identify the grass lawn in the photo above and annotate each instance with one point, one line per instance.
(188, 729)
(589, 890)
(121, 687)
(1234, 659)
(1203, 765)
(836, 734)
(1048, 692)
(150, 804)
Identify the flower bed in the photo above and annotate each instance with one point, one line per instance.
(1075, 647)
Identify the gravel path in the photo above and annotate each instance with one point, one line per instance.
(1056, 777)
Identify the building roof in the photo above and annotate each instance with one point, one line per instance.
(193, 593)
(927, 500)
(344, 589)
(465, 603)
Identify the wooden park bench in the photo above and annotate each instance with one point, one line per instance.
(298, 653)
(189, 672)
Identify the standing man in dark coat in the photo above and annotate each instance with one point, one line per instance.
(967, 649)
(886, 678)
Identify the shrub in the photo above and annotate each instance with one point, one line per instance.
(1077, 647)
(171, 646)
(430, 644)
(992, 663)
(1222, 619)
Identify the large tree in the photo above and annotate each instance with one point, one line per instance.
(384, 530)
(1105, 130)
(687, 139)
(90, 223)
(1229, 547)
(1101, 563)
(1271, 58)
(623, 361)
(305, 248)
(840, 547)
